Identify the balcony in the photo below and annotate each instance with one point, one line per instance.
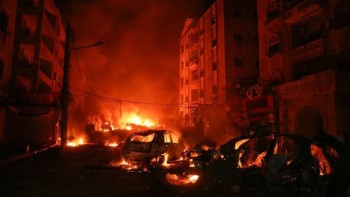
(306, 52)
(318, 84)
(193, 59)
(303, 9)
(46, 68)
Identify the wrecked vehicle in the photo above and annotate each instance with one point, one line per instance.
(152, 146)
(279, 164)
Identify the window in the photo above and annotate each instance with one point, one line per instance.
(167, 138)
(237, 13)
(201, 93)
(4, 19)
(174, 138)
(194, 75)
(238, 62)
(142, 138)
(237, 38)
(194, 94)
(214, 66)
(274, 49)
(274, 45)
(213, 43)
(272, 10)
(1, 69)
(213, 20)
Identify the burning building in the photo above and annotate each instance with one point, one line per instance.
(304, 46)
(217, 51)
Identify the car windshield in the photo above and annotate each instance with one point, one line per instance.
(142, 138)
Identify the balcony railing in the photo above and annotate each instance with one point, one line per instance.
(300, 9)
(306, 52)
(321, 83)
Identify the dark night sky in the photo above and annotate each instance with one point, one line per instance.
(139, 60)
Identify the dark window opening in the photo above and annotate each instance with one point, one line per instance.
(49, 42)
(43, 87)
(238, 62)
(202, 73)
(194, 75)
(237, 38)
(304, 34)
(237, 13)
(1, 69)
(289, 4)
(341, 17)
(308, 68)
(214, 66)
(51, 18)
(4, 29)
(213, 20)
(343, 62)
(274, 49)
(194, 95)
(214, 42)
(272, 10)
(46, 68)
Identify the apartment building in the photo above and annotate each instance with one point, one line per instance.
(35, 74)
(218, 58)
(305, 49)
(7, 29)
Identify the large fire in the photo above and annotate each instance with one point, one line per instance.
(131, 120)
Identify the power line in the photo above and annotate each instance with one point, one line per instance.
(110, 99)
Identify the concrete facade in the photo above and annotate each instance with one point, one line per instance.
(217, 50)
(304, 46)
(36, 72)
(7, 29)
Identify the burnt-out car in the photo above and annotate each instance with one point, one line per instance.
(279, 164)
(152, 145)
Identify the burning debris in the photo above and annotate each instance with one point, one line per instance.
(181, 179)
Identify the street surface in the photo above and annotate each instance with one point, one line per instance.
(87, 171)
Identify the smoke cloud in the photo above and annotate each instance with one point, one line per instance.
(139, 59)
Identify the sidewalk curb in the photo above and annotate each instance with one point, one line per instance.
(25, 155)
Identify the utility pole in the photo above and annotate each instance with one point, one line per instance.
(65, 89)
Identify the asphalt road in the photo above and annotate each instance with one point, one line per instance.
(87, 171)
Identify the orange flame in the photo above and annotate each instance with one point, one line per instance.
(181, 179)
(75, 143)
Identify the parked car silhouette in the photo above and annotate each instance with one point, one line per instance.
(281, 164)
